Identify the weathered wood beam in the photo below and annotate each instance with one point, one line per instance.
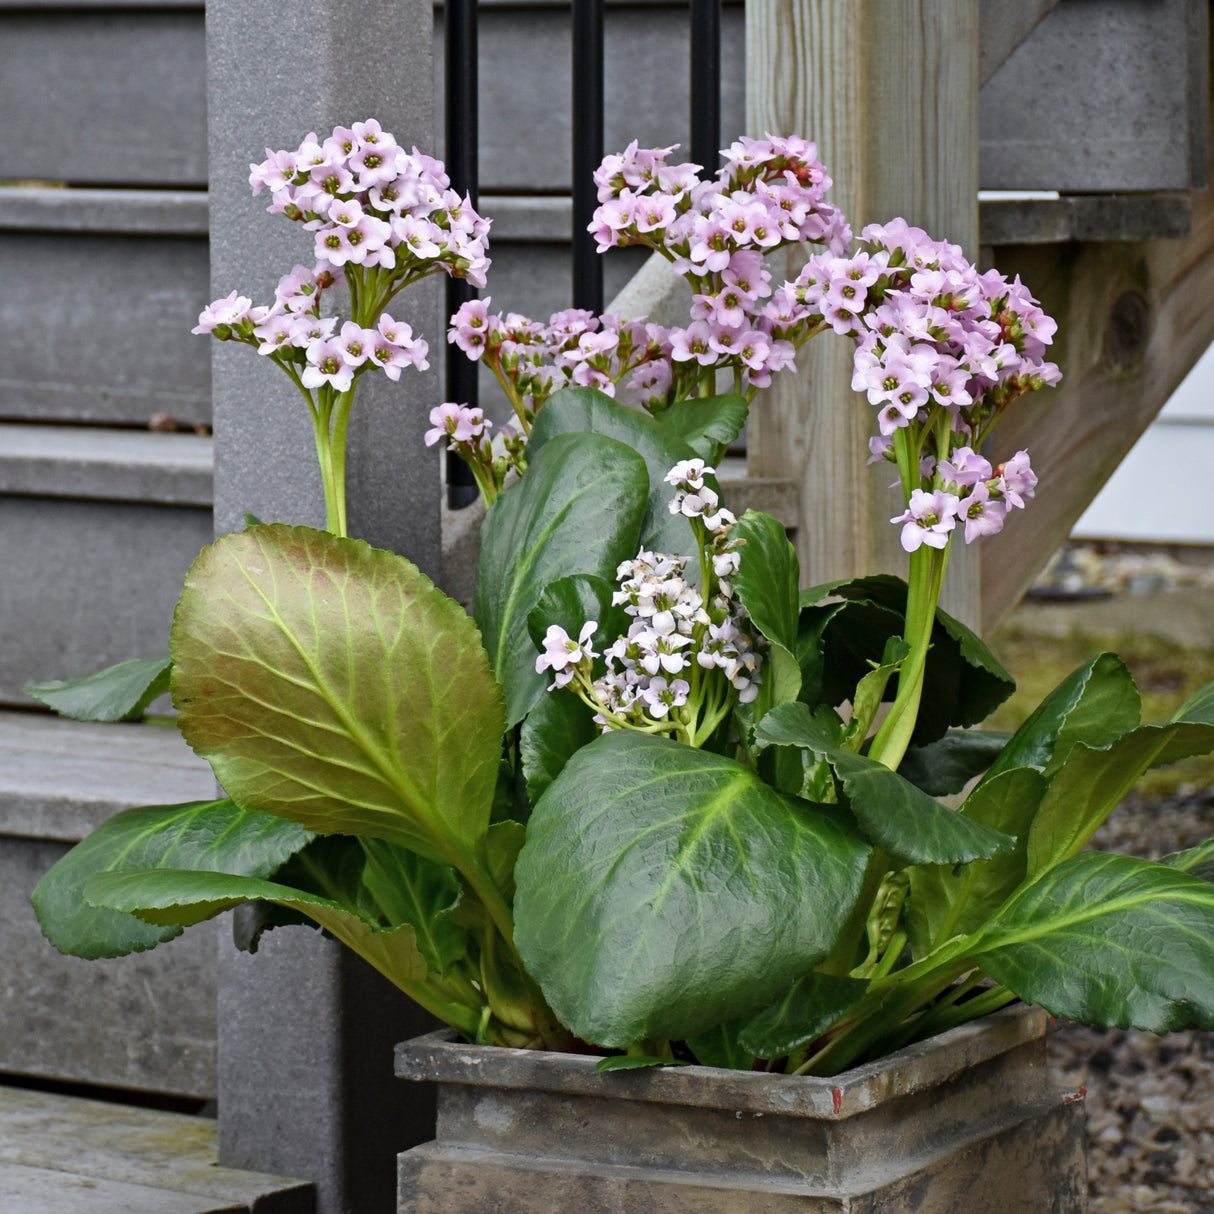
(889, 91)
(1133, 319)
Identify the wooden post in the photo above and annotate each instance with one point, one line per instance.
(888, 89)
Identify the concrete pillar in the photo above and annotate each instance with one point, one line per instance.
(305, 1031)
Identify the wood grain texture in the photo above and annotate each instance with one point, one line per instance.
(1133, 319)
(889, 91)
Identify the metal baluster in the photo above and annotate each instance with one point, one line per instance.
(706, 83)
(461, 160)
(587, 148)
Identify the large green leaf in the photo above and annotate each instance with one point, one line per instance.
(578, 510)
(841, 642)
(1199, 860)
(199, 835)
(408, 888)
(331, 683)
(554, 731)
(946, 900)
(1109, 940)
(179, 898)
(766, 585)
(948, 764)
(586, 410)
(1094, 705)
(1200, 707)
(892, 812)
(571, 602)
(801, 1015)
(707, 424)
(663, 890)
(1090, 783)
(117, 693)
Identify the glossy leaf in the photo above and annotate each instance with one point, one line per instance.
(408, 888)
(571, 602)
(1090, 784)
(578, 510)
(664, 890)
(963, 681)
(1197, 861)
(1095, 705)
(586, 410)
(706, 424)
(766, 585)
(331, 683)
(947, 900)
(891, 811)
(118, 693)
(201, 834)
(181, 898)
(720, 1047)
(803, 1013)
(1110, 940)
(1199, 708)
(554, 731)
(947, 765)
(634, 1062)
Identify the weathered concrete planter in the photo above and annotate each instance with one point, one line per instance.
(965, 1122)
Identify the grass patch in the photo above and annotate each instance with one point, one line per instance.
(1167, 675)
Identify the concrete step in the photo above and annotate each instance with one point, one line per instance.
(67, 1155)
(147, 1021)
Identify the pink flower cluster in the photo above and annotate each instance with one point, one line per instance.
(933, 337)
(769, 193)
(293, 332)
(629, 360)
(973, 493)
(370, 203)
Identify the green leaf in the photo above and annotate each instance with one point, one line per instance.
(408, 888)
(706, 424)
(840, 643)
(1090, 784)
(1094, 705)
(766, 585)
(806, 1010)
(578, 510)
(1199, 708)
(891, 811)
(1109, 940)
(1197, 861)
(720, 1047)
(570, 602)
(331, 683)
(947, 765)
(946, 900)
(118, 693)
(634, 1062)
(555, 730)
(180, 898)
(198, 835)
(586, 410)
(664, 890)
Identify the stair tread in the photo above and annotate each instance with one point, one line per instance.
(60, 779)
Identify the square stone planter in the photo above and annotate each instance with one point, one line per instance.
(967, 1121)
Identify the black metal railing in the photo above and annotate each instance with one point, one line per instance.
(587, 107)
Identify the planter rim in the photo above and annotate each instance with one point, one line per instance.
(442, 1057)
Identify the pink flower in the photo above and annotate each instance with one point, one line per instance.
(928, 519)
(562, 655)
(457, 422)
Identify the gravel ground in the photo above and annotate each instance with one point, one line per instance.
(1150, 1100)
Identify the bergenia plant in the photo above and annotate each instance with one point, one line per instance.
(653, 798)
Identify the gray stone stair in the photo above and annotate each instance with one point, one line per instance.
(67, 1155)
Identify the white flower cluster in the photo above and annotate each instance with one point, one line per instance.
(693, 498)
(673, 629)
